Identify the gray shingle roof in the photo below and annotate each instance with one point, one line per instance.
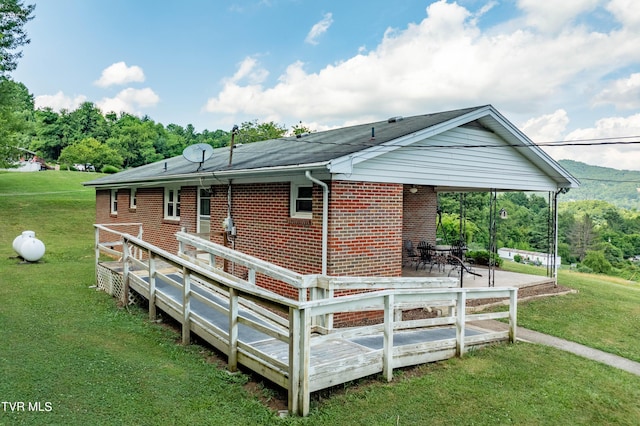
(313, 148)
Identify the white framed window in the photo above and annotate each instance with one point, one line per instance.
(133, 202)
(172, 203)
(114, 201)
(301, 200)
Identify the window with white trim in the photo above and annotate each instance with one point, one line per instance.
(172, 203)
(114, 201)
(133, 202)
(301, 197)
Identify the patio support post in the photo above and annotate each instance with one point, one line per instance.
(233, 329)
(555, 237)
(460, 322)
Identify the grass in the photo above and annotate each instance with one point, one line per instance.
(603, 314)
(71, 346)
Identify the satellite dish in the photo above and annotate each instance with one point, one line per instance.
(198, 153)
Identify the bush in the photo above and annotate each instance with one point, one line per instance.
(517, 258)
(109, 169)
(481, 257)
(597, 261)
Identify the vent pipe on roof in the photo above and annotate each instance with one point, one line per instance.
(234, 132)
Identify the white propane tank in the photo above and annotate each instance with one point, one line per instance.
(28, 246)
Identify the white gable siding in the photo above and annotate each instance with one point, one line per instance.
(449, 160)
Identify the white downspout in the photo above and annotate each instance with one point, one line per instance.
(325, 218)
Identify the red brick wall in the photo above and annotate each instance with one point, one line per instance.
(365, 229)
(420, 215)
(265, 229)
(149, 212)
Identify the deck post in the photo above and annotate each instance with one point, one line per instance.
(294, 361)
(152, 287)
(233, 329)
(305, 350)
(186, 307)
(513, 314)
(460, 322)
(97, 249)
(387, 356)
(125, 271)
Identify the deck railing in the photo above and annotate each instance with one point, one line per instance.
(290, 355)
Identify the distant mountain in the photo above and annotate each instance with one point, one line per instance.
(618, 187)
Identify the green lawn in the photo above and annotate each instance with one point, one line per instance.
(86, 361)
(603, 314)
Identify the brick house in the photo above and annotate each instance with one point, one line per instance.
(339, 202)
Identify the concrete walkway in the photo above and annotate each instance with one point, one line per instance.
(531, 336)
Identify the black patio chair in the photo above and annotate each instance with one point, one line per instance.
(426, 252)
(410, 254)
(458, 262)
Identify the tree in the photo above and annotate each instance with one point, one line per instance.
(16, 120)
(252, 131)
(582, 236)
(90, 151)
(13, 16)
(87, 121)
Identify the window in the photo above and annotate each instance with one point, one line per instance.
(205, 202)
(133, 202)
(114, 201)
(172, 203)
(301, 200)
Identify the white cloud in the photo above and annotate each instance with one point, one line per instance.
(119, 73)
(443, 61)
(552, 16)
(623, 93)
(319, 28)
(611, 129)
(59, 101)
(625, 11)
(129, 100)
(546, 128)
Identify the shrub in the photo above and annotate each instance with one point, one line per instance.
(481, 257)
(109, 169)
(597, 261)
(517, 258)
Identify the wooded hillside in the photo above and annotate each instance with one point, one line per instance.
(618, 187)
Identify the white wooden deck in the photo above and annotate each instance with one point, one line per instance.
(291, 342)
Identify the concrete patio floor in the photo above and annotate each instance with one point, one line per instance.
(502, 278)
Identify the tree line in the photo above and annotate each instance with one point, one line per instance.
(595, 235)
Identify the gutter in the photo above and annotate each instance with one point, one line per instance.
(325, 217)
(219, 175)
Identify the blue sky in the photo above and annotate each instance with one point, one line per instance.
(559, 70)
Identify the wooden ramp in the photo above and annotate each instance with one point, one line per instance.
(292, 342)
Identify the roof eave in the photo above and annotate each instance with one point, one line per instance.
(222, 176)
